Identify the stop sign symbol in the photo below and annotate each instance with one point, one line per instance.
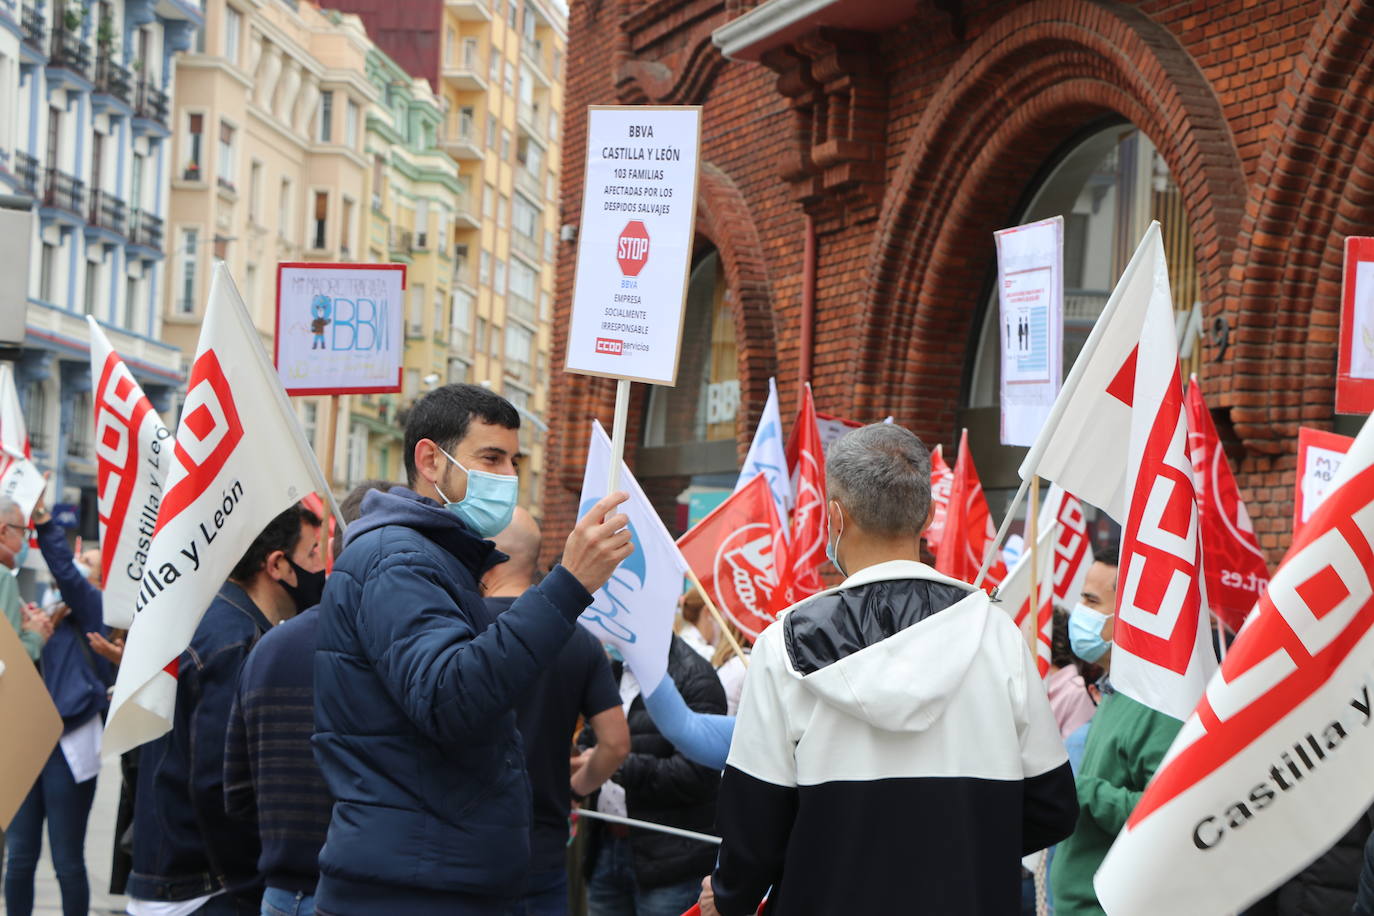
(632, 248)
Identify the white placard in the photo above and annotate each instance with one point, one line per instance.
(1030, 286)
(339, 328)
(635, 242)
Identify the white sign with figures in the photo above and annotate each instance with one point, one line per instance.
(1030, 287)
(635, 243)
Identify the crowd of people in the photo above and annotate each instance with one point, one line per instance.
(415, 731)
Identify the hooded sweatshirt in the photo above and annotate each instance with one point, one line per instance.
(895, 752)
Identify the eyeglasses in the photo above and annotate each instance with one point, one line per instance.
(7, 525)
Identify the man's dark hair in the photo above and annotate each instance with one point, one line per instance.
(443, 416)
(1108, 555)
(352, 506)
(1061, 654)
(282, 533)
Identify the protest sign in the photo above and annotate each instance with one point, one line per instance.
(635, 242)
(132, 454)
(1030, 288)
(32, 724)
(339, 328)
(20, 478)
(1355, 359)
(1320, 454)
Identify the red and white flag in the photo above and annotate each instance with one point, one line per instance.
(132, 454)
(968, 525)
(1234, 564)
(1274, 765)
(941, 480)
(1014, 594)
(239, 458)
(20, 478)
(806, 460)
(1072, 546)
(1117, 437)
(737, 553)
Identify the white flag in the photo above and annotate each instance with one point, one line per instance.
(634, 610)
(1072, 547)
(768, 457)
(20, 478)
(239, 459)
(1117, 437)
(1014, 592)
(1274, 765)
(132, 454)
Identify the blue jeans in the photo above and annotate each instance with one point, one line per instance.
(65, 804)
(279, 902)
(547, 896)
(613, 891)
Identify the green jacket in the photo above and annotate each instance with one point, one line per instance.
(13, 606)
(1126, 742)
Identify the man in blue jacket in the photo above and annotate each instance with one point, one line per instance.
(416, 681)
(189, 855)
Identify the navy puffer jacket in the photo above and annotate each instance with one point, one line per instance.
(415, 689)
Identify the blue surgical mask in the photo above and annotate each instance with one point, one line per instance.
(1085, 633)
(613, 652)
(490, 501)
(832, 548)
(21, 555)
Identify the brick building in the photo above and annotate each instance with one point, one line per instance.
(858, 154)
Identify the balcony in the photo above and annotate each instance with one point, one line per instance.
(462, 270)
(150, 104)
(108, 212)
(465, 75)
(464, 217)
(64, 192)
(459, 139)
(530, 117)
(532, 50)
(113, 80)
(69, 52)
(34, 27)
(26, 169)
(145, 230)
(520, 308)
(1083, 306)
(526, 247)
(460, 341)
(469, 10)
(400, 241)
(529, 184)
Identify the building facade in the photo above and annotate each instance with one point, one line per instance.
(85, 141)
(497, 66)
(858, 156)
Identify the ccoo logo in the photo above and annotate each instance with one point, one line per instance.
(209, 432)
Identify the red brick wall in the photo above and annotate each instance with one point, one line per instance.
(1259, 108)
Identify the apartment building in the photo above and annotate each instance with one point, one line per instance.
(85, 140)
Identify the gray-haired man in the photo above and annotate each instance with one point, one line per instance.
(32, 625)
(895, 749)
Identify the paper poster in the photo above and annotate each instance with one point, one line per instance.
(1355, 362)
(1030, 270)
(1319, 458)
(635, 242)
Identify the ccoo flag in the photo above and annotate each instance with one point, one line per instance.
(1235, 567)
(20, 478)
(239, 458)
(767, 457)
(131, 461)
(941, 480)
(1014, 594)
(738, 553)
(1274, 765)
(806, 461)
(1072, 546)
(968, 525)
(634, 610)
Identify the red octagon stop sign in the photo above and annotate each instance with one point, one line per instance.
(632, 248)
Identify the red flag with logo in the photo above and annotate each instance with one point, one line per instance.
(941, 480)
(1273, 765)
(1234, 565)
(806, 461)
(239, 458)
(738, 553)
(968, 525)
(1072, 546)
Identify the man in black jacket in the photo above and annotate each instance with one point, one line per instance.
(636, 872)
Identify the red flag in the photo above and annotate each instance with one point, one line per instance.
(1072, 547)
(968, 526)
(1232, 561)
(806, 461)
(738, 552)
(941, 479)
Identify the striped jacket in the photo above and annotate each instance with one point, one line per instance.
(895, 753)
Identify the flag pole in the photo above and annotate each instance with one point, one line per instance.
(1001, 532)
(622, 416)
(719, 618)
(1033, 526)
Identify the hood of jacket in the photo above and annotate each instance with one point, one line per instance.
(890, 646)
(408, 509)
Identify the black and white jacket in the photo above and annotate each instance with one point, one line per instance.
(895, 753)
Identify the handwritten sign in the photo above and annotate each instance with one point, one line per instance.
(1319, 458)
(339, 328)
(635, 243)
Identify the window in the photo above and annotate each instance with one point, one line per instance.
(498, 285)
(422, 223)
(548, 245)
(310, 420)
(439, 322)
(502, 209)
(326, 121)
(529, 24)
(441, 237)
(525, 217)
(467, 119)
(378, 181)
(519, 351)
(226, 155)
(47, 272)
(472, 55)
(411, 388)
(461, 337)
(509, 84)
(553, 126)
(461, 267)
(357, 453)
(484, 268)
(488, 202)
(250, 284)
(513, 14)
(450, 42)
(415, 318)
(255, 192)
(495, 71)
(351, 124)
(530, 155)
(505, 145)
(81, 431)
(125, 317)
(346, 228)
(195, 136)
(524, 283)
(190, 258)
(136, 181)
(233, 26)
(284, 208)
(491, 131)
(321, 234)
(481, 342)
(92, 291)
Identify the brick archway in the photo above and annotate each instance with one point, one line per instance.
(1019, 91)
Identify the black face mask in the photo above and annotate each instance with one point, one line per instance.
(309, 587)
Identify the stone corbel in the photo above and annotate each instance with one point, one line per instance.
(286, 96)
(266, 81)
(255, 46)
(309, 98)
